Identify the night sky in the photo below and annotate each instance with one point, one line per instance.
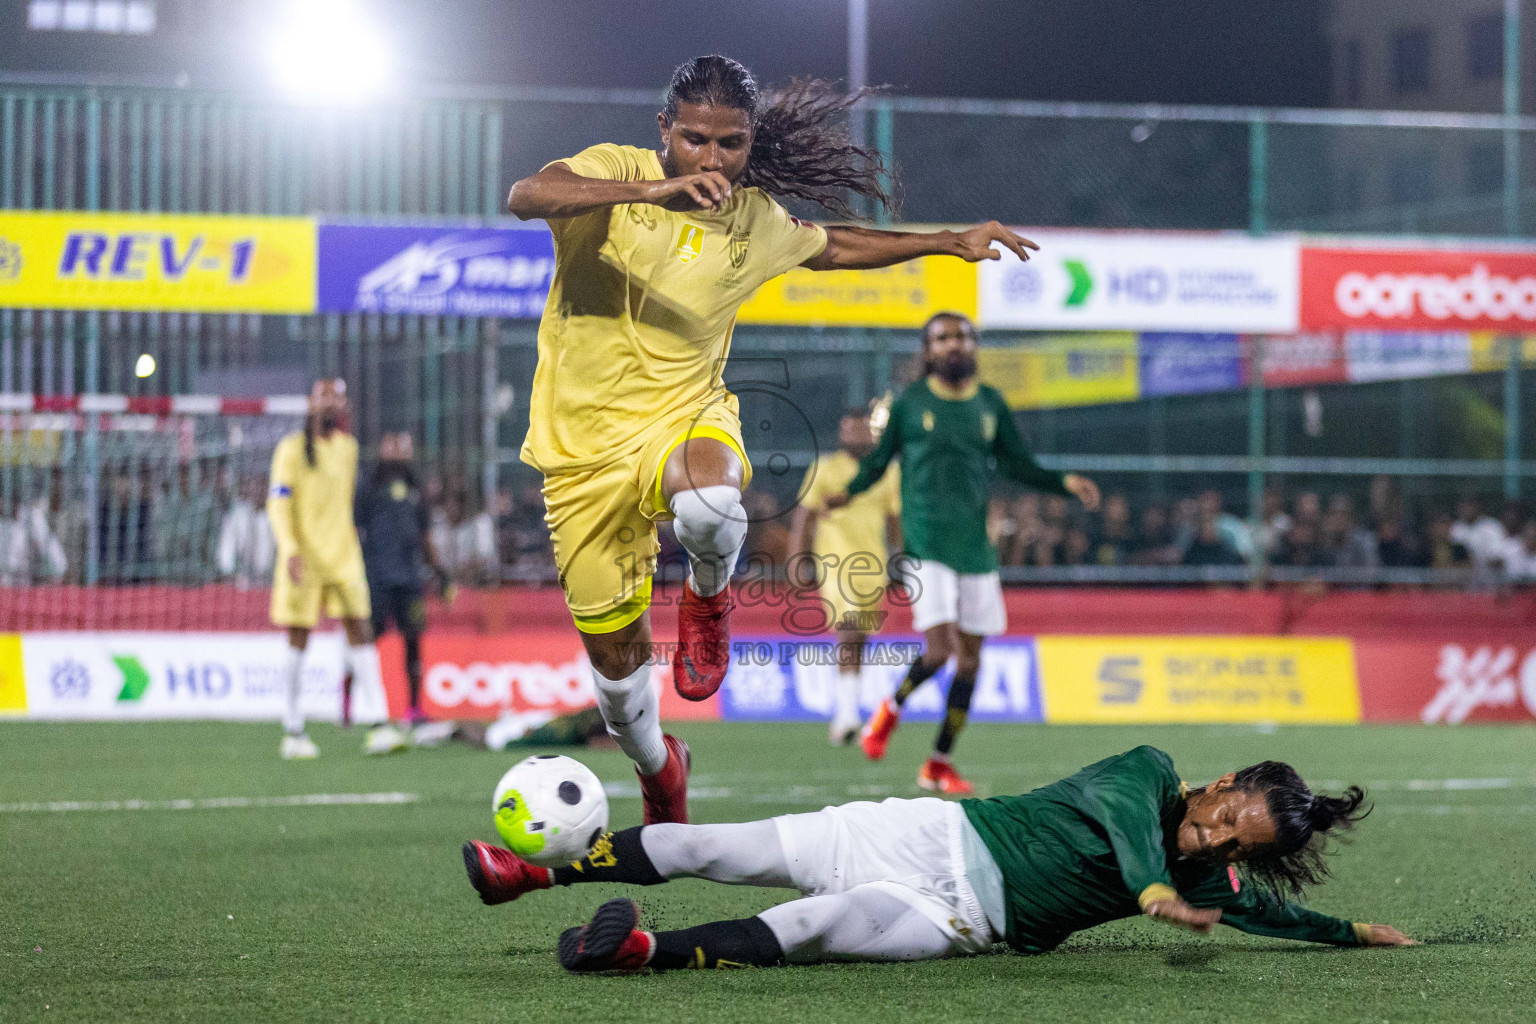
(1195, 51)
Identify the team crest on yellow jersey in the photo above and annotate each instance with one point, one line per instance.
(690, 243)
(988, 426)
(737, 250)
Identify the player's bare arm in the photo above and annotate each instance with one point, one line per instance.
(557, 192)
(859, 248)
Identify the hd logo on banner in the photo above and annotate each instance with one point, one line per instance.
(435, 270)
(1143, 281)
(1147, 679)
(171, 263)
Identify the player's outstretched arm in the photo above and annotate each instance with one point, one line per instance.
(1258, 912)
(856, 248)
(557, 192)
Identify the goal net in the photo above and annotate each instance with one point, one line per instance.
(123, 513)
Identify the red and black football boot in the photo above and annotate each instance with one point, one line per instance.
(666, 793)
(500, 876)
(609, 942)
(703, 643)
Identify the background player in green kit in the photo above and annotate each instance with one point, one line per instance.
(927, 878)
(952, 435)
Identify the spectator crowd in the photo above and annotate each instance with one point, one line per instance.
(186, 527)
(189, 527)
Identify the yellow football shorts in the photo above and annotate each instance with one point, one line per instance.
(602, 519)
(344, 595)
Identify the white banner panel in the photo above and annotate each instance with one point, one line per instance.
(237, 676)
(1145, 281)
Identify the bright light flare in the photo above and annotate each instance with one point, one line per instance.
(145, 367)
(327, 50)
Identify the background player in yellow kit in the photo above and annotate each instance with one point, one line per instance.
(851, 546)
(319, 559)
(630, 421)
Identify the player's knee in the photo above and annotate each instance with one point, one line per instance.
(710, 520)
(937, 651)
(967, 665)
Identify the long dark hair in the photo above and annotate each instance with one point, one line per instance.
(800, 149)
(1304, 824)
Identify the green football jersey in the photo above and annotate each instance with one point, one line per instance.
(1100, 846)
(950, 444)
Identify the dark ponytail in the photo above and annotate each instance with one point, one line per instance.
(309, 440)
(1304, 823)
(800, 147)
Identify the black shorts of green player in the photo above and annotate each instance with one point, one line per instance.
(1121, 838)
(953, 435)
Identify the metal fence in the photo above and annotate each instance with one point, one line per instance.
(461, 386)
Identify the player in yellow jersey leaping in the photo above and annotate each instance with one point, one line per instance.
(630, 422)
(319, 559)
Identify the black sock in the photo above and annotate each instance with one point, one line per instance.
(745, 943)
(957, 710)
(413, 666)
(917, 675)
(617, 857)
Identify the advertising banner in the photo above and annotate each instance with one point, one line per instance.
(1439, 682)
(167, 262)
(1395, 355)
(1190, 364)
(13, 681)
(480, 675)
(1293, 360)
(1126, 280)
(1071, 369)
(1146, 679)
(1417, 289)
(901, 296)
(435, 270)
(780, 679)
(235, 676)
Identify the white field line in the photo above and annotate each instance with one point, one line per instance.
(216, 803)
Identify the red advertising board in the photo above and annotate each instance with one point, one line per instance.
(1417, 289)
(1444, 682)
(1316, 357)
(479, 675)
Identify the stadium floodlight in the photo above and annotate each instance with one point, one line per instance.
(145, 367)
(328, 50)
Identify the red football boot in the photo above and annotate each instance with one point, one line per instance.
(666, 793)
(938, 776)
(500, 876)
(609, 942)
(877, 733)
(703, 643)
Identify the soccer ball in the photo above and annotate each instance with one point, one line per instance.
(550, 809)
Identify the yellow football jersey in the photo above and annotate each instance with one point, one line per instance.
(310, 507)
(641, 309)
(859, 526)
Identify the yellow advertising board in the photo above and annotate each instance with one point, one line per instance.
(170, 262)
(13, 685)
(901, 296)
(1090, 368)
(1147, 679)
(1491, 351)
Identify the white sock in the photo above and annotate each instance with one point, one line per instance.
(632, 713)
(369, 705)
(711, 526)
(293, 682)
(847, 705)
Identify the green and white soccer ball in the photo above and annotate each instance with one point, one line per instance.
(550, 810)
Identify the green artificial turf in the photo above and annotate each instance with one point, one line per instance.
(362, 912)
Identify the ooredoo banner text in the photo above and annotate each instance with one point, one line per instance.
(1417, 289)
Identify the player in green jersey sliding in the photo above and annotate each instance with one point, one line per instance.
(952, 433)
(925, 878)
